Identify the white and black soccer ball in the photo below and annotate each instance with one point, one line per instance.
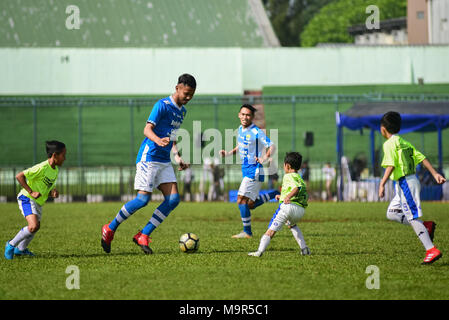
(189, 242)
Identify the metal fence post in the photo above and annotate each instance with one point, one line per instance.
(293, 123)
(80, 133)
(215, 112)
(131, 124)
(33, 102)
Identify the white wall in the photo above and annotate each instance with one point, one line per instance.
(218, 71)
(345, 65)
(439, 25)
(116, 71)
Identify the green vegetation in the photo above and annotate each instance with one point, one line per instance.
(289, 17)
(345, 239)
(331, 23)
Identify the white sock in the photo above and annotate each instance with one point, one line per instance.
(422, 233)
(25, 242)
(264, 242)
(297, 234)
(398, 216)
(21, 235)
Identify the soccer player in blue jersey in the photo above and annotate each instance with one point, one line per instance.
(153, 165)
(251, 142)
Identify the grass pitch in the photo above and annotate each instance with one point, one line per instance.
(345, 238)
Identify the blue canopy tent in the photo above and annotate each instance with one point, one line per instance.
(416, 117)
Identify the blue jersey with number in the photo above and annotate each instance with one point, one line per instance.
(251, 142)
(167, 117)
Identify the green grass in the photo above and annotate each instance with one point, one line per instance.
(345, 238)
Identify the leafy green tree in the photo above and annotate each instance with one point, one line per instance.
(289, 17)
(331, 23)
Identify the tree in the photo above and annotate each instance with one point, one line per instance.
(289, 17)
(331, 23)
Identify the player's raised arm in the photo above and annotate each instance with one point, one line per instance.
(438, 177)
(294, 192)
(225, 153)
(22, 181)
(178, 159)
(387, 174)
(149, 133)
(269, 151)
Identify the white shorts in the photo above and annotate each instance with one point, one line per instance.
(28, 206)
(250, 188)
(407, 199)
(150, 175)
(288, 214)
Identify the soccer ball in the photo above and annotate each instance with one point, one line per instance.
(189, 242)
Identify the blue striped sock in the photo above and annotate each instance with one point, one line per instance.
(265, 197)
(161, 213)
(245, 214)
(128, 209)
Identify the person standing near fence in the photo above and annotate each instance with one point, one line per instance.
(188, 180)
(38, 183)
(250, 140)
(400, 161)
(153, 165)
(329, 176)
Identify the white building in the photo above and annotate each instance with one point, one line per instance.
(390, 32)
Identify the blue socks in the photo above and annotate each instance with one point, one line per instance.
(265, 197)
(129, 208)
(159, 215)
(245, 212)
(246, 218)
(161, 212)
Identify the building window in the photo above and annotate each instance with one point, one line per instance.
(420, 14)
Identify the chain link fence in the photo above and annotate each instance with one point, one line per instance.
(103, 135)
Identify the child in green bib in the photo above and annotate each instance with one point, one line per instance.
(292, 205)
(400, 161)
(38, 183)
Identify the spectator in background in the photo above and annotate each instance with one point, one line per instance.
(329, 175)
(274, 177)
(305, 173)
(215, 186)
(272, 181)
(188, 179)
(358, 165)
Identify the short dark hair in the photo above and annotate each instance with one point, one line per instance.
(188, 80)
(294, 159)
(391, 121)
(54, 146)
(250, 107)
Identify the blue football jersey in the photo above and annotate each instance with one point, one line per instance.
(251, 142)
(167, 117)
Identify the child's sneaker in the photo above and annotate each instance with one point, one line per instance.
(255, 254)
(9, 251)
(106, 238)
(142, 240)
(242, 235)
(432, 255)
(26, 252)
(430, 226)
(305, 251)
